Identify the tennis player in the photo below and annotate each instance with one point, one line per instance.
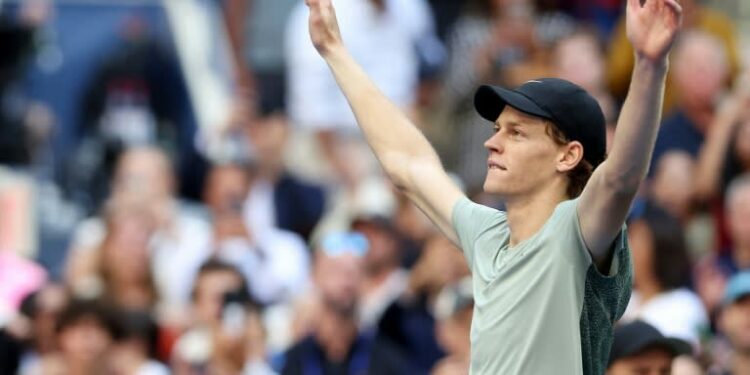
(552, 273)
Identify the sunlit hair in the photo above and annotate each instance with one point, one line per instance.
(578, 176)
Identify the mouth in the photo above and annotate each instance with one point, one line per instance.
(494, 165)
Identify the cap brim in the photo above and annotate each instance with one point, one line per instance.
(675, 346)
(489, 102)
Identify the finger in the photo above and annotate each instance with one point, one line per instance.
(635, 4)
(675, 6)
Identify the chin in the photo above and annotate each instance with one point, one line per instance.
(494, 187)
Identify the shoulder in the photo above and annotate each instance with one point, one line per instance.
(470, 216)
(283, 240)
(480, 210)
(684, 297)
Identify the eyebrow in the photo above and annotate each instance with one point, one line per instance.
(514, 124)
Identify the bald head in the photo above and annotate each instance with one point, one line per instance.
(701, 68)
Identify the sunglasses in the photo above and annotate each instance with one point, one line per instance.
(341, 243)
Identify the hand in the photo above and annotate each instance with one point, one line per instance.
(737, 103)
(324, 29)
(652, 27)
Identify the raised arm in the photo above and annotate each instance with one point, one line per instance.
(405, 154)
(606, 200)
(713, 153)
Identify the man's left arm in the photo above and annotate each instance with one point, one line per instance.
(606, 200)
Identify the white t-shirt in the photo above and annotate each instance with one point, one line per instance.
(276, 265)
(383, 43)
(176, 255)
(677, 313)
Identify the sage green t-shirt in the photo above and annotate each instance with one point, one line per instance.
(541, 306)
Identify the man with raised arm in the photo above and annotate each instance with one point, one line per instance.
(552, 273)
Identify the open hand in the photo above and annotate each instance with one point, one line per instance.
(324, 29)
(652, 27)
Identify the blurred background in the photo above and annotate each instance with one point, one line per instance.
(183, 188)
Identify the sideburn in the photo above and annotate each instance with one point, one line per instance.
(578, 176)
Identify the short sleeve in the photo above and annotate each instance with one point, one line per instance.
(614, 288)
(470, 221)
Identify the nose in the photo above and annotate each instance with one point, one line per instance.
(494, 143)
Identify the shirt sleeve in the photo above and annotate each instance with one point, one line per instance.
(614, 287)
(470, 221)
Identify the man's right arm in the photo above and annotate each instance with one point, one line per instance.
(403, 151)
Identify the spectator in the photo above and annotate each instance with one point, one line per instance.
(413, 227)
(274, 261)
(673, 188)
(725, 155)
(384, 279)
(239, 342)
(85, 332)
(672, 185)
(214, 281)
(181, 239)
(579, 58)
(277, 196)
(698, 17)
(42, 310)
(726, 152)
(409, 321)
(738, 217)
(453, 309)
(331, 341)
(256, 31)
(124, 265)
(662, 274)
(20, 129)
(133, 99)
(699, 72)
(639, 348)
(734, 323)
(714, 271)
(134, 350)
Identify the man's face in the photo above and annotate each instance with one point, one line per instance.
(209, 293)
(226, 189)
(85, 341)
(339, 280)
(735, 324)
(522, 156)
(383, 251)
(656, 361)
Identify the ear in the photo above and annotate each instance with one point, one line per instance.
(569, 156)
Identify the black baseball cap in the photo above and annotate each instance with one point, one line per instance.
(576, 113)
(637, 336)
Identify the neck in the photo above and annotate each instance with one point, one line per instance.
(648, 289)
(700, 115)
(131, 294)
(526, 215)
(336, 335)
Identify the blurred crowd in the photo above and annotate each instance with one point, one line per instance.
(272, 243)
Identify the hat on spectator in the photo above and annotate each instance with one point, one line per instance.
(635, 337)
(738, 287)
(576, 113)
